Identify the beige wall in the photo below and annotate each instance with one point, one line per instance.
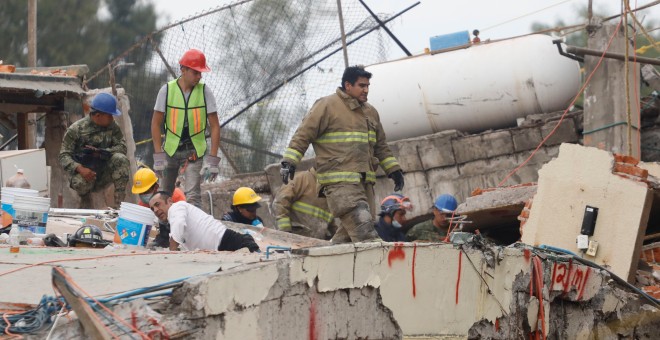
(582, 176)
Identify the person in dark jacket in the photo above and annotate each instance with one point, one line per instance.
(392, 217)
(244, 208)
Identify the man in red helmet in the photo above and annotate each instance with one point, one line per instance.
(183, 107)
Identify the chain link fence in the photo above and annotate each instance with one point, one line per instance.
(270, 61)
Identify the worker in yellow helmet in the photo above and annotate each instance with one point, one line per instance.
(145, 185)
(244, 208)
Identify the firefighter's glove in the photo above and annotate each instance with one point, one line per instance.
(160, 162)
(287, 171)
(397, 177)
(212, 168)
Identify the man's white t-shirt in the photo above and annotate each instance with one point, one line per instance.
(194, 229)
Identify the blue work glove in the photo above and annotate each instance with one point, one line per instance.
(397, 177)
(287, 172)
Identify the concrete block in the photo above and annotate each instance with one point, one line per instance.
(486, 166)
(497, 143)
(436, 151)
(468, 149)
(582, 176)
(526, 138)
(407, 155)
(565, 133)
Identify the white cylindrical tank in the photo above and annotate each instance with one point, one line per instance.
(484, 86)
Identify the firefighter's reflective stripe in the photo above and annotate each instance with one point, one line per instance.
(347, 137)
(311, 210)
(388, 163)
(284, 223)
(293, 154)
(345, 176)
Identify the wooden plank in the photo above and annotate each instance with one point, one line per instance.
(93, 326)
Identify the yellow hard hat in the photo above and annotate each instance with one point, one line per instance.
(143, 179)
(245, 195)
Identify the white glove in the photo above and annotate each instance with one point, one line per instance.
(160, 161)
(212, 168)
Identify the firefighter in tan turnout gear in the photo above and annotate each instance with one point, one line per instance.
(299, 209)
(349, 142)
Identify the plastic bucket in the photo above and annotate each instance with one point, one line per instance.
(31, 213)
(7, 195)
(134, 224)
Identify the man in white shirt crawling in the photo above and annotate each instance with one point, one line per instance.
(193, 229)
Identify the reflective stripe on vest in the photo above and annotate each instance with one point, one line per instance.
(311, 210)
(344, 176)
(176, 110)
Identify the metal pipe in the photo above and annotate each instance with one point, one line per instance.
(396, 40)
(210, 201)
(343, 33)
(65, 211)
(610, 55)
(32, 33)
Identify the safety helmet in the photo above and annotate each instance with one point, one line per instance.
(394, 202)
(106, 103)
(446, 203)
(88, 236)
(143, 180)
(194, 59)
(245, 195)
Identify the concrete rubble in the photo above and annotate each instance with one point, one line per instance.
(472, 288)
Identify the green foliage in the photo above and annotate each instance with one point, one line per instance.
(72, 32)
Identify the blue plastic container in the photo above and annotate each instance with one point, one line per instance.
(440, 42)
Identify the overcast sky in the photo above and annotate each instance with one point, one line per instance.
(494, 18)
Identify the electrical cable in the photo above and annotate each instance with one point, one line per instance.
(561, 119)
(70, 281)
(30, 321)
(651, 299)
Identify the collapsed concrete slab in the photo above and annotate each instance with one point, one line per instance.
(617, 188)
(391, 290)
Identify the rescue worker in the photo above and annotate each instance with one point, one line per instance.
(349, 142)
(145, 185)
(392, 217)
(245, 203)
(435, 229)
(192, 228)
(183, 107)
(299, 209)
(93, 152)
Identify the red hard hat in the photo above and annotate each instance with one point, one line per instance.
(195, 60)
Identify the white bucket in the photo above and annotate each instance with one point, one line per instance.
(134, 224)
(31, 213)
(7, 195)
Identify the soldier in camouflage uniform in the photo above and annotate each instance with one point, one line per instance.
(435, 230)
(94, 151)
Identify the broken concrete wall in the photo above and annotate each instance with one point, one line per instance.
(426, 289)
(449, 162)
(390, 290)
(619, 191)
(262, 302)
